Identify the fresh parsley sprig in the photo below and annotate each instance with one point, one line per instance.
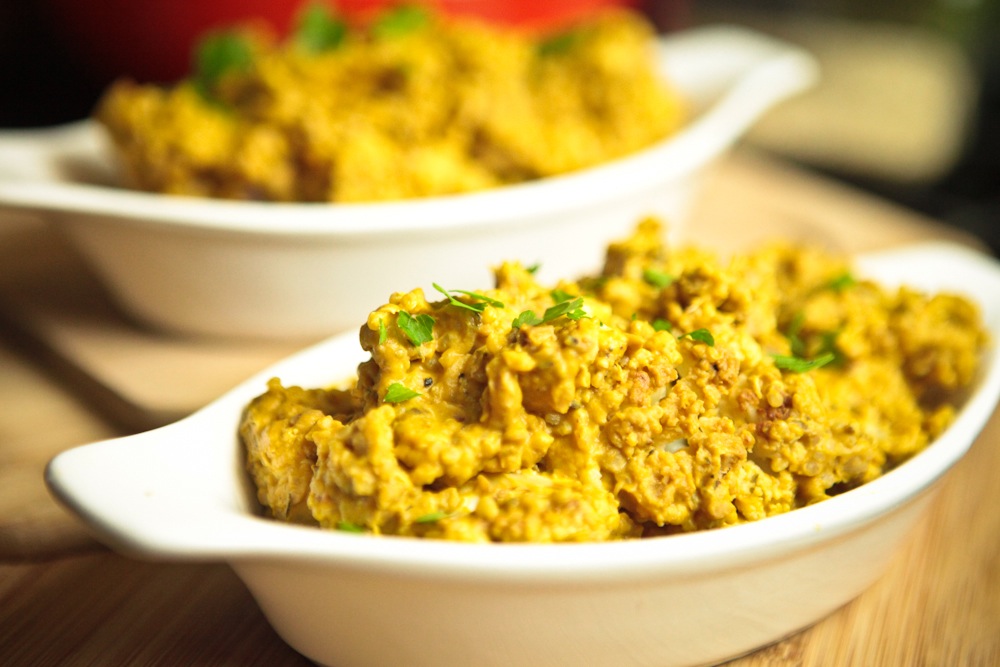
(572, 309)
(799, 348)
(701, 335)
(399, 392)
(558, 295)
(793, 334)
(400, 21)
(419, 329)
(348, 527)
(479, 301)
(799, 365)
(658, 279)
(217, 54)
(318, 30)
(840, 282)
(526, 318)
(559, 44)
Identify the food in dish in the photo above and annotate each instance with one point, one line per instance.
(413, 104)
(325, 590)
(673, 392)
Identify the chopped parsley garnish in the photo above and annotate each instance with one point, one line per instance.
(558, 295)
(573, 310)
(700, 335)
(480, 301)
(828, 344)
(558, 44)
(318, 30)
(217, 54)
(660, 324)
(383, 333)
(398, 392)
(349, 527)
(400, 21)
(657, 279)
(418, 329)
(800, 365)
(795, 341)
(528, 317)
(841, 282)
(432, 517)
(800, 349)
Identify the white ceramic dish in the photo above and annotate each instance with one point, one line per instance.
(304, 271)
(180, 492)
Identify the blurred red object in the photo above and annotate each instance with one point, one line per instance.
(152, 40)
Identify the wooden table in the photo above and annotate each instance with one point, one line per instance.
(65, 600)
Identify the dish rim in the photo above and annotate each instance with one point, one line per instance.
(226, 532)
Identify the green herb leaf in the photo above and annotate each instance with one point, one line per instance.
(349, 527)
(558, 44)
(533, 269)
(528, 318)
(657, 279)
(559, 295)
(799, 347)
(488, 300)
(399, 392)
(418, 329)
(800, 365)
(318, 30)
(573, 310)
(828, 345)
(217, 54)
(795, 341)
(383, 333)
(432, 517)
(480, 301)
(400, 21)
(660, 324)
(700, 335)
(841, 282)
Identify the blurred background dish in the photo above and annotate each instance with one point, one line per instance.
(411, 103)
(909, 106)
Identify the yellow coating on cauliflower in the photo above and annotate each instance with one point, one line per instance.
(647, 400)
(454, 106)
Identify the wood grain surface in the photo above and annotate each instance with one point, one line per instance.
(66, 379)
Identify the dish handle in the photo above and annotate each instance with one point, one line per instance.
(58, 153)
(168, 491)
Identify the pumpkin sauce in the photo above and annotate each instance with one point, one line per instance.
(675, 391)
(413, 104)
